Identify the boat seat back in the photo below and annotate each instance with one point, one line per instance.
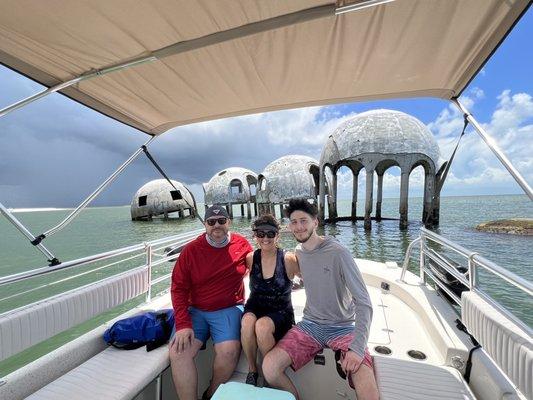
(504, 341)
(399, 379)
(31, 324)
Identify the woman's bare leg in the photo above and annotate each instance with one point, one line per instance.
(264, 331)
(248, 340)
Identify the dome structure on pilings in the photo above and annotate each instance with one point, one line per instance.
(232, 186)
(159, 198)
(375, 141)
(286, 178)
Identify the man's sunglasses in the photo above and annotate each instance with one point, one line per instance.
(212, 222)
(268, 234)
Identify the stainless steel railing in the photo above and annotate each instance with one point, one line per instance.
(473, 261)
(153, 252)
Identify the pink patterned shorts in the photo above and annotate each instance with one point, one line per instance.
(302, 347)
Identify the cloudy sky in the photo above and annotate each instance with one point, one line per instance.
(55, 151)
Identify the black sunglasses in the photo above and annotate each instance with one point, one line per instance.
(268, 234)
(212, 222)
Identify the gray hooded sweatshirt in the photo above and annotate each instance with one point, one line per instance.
(335, 291)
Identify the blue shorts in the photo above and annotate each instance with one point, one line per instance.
(221, 325)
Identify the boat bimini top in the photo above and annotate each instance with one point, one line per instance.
(169, 63)
(158, 64)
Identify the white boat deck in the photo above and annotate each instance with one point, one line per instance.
(409, 316)
(394, 323)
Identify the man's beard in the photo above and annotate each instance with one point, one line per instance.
(309, 234)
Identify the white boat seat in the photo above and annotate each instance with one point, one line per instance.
(403, 379)
(31, 324)
(509, 345)
(112, 374)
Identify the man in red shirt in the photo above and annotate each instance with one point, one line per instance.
(207, 293)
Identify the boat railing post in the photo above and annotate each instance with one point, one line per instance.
(472, 272)
(159, 387)
(422, 258)
(149, 254)
(408, 258)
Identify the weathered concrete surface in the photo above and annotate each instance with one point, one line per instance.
(157, 200)
(286, 178)
(518, 226)
(375, 141)
(231, 186)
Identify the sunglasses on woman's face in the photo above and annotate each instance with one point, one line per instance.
(212, 222)
(268, 234)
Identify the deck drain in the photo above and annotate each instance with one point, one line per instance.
(383, 350)
(417, 355)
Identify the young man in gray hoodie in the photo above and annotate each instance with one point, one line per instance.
(337, 312)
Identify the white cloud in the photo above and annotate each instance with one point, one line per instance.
(475, 168)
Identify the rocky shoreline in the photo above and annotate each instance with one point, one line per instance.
(516, 226)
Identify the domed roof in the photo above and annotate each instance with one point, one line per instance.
(287, 177)
(380, 131)
(219, 188)
(158, 197)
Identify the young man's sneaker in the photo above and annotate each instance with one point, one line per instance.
(251, 378)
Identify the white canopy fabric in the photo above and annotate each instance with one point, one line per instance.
(221, 58)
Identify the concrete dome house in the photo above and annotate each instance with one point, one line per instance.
(375, 141)
(286, 178)
(158, 198)
(232, 186)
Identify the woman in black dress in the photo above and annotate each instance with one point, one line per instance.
(268, 313)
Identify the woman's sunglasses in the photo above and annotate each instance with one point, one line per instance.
(212, 222)
(268, 234)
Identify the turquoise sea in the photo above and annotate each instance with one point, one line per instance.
(100, 229)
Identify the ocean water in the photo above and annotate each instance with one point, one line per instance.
(100, 229)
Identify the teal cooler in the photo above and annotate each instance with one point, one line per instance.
(242, 391)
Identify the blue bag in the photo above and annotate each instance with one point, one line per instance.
(152, 328)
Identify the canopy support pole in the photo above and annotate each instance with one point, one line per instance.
(11, 218)
(94, 194)
(494, 147)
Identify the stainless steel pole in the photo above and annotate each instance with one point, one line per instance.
(149, 255)
(100, 188)
(11, 218)
(494, 147)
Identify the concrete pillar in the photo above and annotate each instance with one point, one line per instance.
(435, 218)
(354, 195)
(248, 210)
(379, 197)
(369, 198)
(229, 208)
(404, 193)
(429, 193)
(280, 210)
(242, 210)
(333, 198)
(321, 194)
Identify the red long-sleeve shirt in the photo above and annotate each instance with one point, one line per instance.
(208, 278)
